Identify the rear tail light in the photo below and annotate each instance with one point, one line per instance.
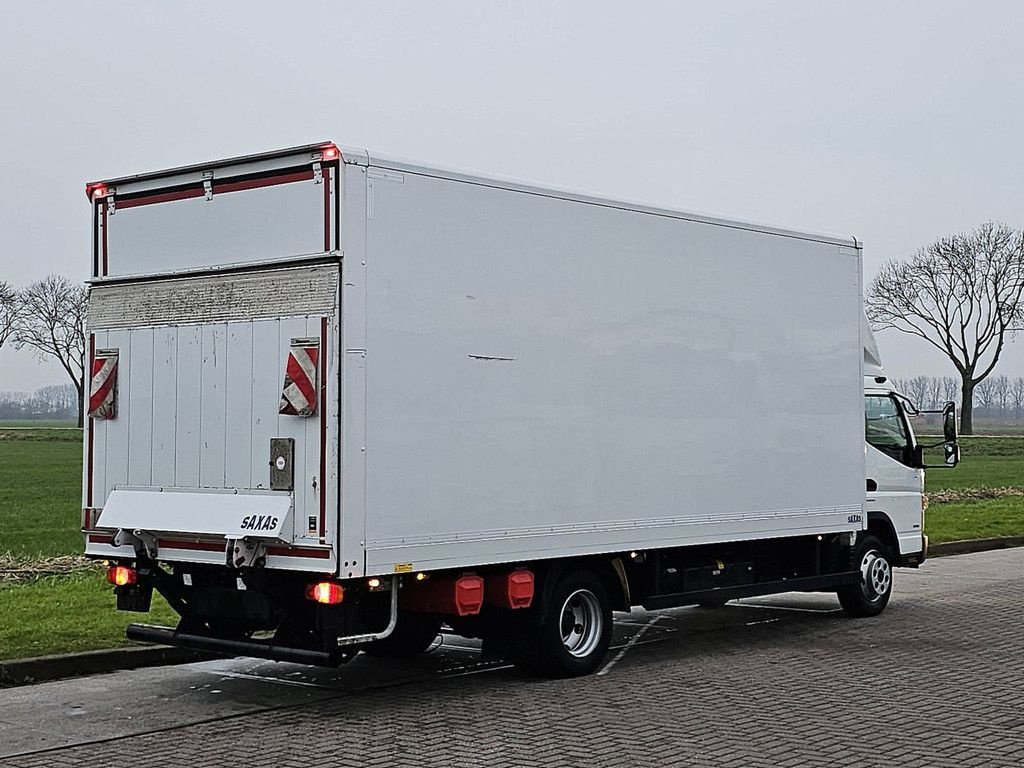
(121, 575)
(325, 593)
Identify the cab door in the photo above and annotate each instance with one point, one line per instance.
(894, 484)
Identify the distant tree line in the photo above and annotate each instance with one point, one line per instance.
(57, 402)
(996, 397)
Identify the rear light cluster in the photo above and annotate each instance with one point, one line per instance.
(95, 191)
(121, 575)
(325, 593)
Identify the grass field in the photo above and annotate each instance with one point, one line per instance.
(40, 492)
(980, 519)
(60, 614)
(986, 462)
(16, 424)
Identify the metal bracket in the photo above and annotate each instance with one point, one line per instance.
(243, 553)
(386, 632)
(111, 209)
(208, 184)
(318, 173)
(143, 542)
(849, 538)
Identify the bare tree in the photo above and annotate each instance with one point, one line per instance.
(935, 400)
(10, 308)
(963, 295)
(1017, 394)
(51, 323)
(985, 395)
(950, 388)
(1002, 393)
(917, 391)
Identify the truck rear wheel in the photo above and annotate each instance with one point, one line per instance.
(414, 633)
(575, 629)
(870, 596)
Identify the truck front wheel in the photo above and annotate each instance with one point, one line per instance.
(870, 596)
(575, 629)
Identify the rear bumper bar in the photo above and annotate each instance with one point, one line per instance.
(168, 636)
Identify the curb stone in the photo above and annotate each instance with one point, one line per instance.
(60, 666)
(974, 545)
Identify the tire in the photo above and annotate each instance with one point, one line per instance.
(870, 596)
(574, 632)
(414, 633)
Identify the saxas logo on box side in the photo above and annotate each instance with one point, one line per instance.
(258, 523)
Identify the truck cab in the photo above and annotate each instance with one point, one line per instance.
(895, 461)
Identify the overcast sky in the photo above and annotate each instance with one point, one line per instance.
(896, 122)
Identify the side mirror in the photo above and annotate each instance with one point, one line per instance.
(952, 451)
(949, 423)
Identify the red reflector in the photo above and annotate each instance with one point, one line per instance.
(121, 575)
(325, 593)
(520, 589)
(330, 152)
(469, 595)
(510, 590)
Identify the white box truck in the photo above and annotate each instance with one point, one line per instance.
(339, 401)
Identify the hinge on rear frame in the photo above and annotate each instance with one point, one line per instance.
(208, 184)
(318, 173)
(245, 553)
(143, 542)
(110, 203)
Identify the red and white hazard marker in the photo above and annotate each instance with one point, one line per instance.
(298, 396)
(103, 385)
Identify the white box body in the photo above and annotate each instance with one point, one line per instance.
(512, 373)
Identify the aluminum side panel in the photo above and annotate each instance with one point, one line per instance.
(212, 424)
(352, 453)
(140, 408)
(239, 461)
(548, 377)
(164, 439)
(188, 416)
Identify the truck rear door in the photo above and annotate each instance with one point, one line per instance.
(212, 334)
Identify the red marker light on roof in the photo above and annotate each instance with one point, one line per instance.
(330, 152)
(325, 593)
(94, 191)
(121, 575)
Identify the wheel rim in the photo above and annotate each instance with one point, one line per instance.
(875, 576)
(581, 623)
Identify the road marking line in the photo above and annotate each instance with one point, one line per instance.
(787, 608)
(479, 670)
(627, 646)
(277, 680)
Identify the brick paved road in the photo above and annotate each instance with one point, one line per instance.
(937, 680)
